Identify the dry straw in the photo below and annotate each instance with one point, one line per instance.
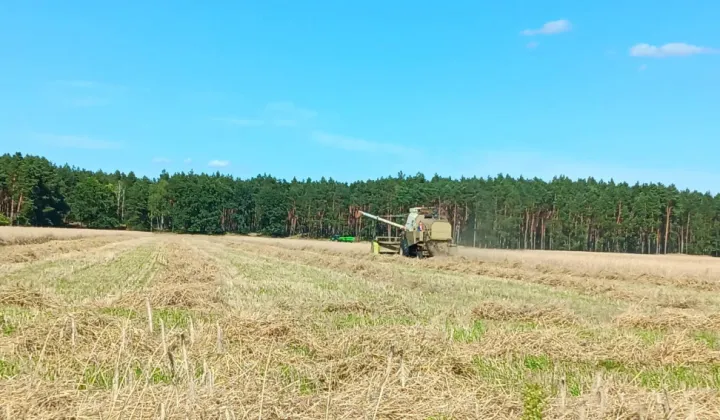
(198, 327)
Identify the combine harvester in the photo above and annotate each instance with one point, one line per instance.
(425, 234)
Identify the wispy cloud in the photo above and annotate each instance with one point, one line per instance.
(84, 93)
(549, 28)
(161, 160)
(87, 101)
(87, 84)
(76, 142)
(219, 163)
(532, 44)
(642, 67)
(188, 160)
(243, 122)
(77, 83)
(673, 49)
(284, 123)
(280, 114)
(288, 111)
(356, 145)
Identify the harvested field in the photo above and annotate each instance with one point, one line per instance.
(130, 325)
(14, 235)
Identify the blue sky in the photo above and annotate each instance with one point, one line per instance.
(359, 90)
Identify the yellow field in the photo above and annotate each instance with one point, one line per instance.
(135, 325)
(24, 235)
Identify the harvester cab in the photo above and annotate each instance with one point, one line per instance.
(425, 234)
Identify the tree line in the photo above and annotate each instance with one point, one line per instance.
(494, 212)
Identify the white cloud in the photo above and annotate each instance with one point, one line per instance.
(76, 142)
(285, 123)
(161, 160)
(532, 44)
(218, 163)
(87, 85)
(356, 145)
(281, 114)
(286, 111)
(244, 122)
(77, 83)
(87, 101)
(673, 49)
(83, 93)
(188, 160)
(549, 28)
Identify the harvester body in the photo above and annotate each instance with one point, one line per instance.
(424, 234)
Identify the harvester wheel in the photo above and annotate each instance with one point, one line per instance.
(415, 251)
(439, 248)
(404, 249)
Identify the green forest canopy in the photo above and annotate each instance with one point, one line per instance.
(493, 212)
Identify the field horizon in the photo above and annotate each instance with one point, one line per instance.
(118, 324)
